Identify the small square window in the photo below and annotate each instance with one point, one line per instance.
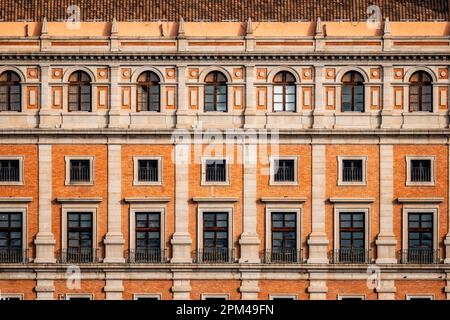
(79, 170)
(352, 170)
(420, 171)
(147, 171)
(283, 170)
(215, 171)
(11, 170)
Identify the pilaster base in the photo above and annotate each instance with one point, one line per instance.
(181, 290)
(249, 245)
(386, 249)
(318, 247)
(113, 289)
(114, 248)
(181, 248)
(116, 120)
(390, 120)
(45, 248)
(249, 290)
(317, 290)
(447, 249)
(48, 120)
(387, 290)
(44, 287)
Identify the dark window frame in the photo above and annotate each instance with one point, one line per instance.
(215, 229)
(416, 89)
(81, 82)
(10, 229)
(11, 84)
(287, 80)
(286, 176)
(218, 82)
(355, 82)
(284, 230)
(216, 173)
(11, 174)
(147, 82)
(80, 168)
(80, 249)
(147, 229)
(421, 173)
(151, 172)
(347, 177)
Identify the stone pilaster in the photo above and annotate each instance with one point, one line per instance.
(45, 241)
(182, 105)
(250, 97)
(181, 240)
(249, 285)
(46, 119)
(387, 290)
(181, 287)
(115, 120)
(44, 286)
(114, 286)
(249, 241)
(389, 118)
(319, 112)
(114, 240)
(317, 287)
(447, 237)
(386, 242)
(318, 242)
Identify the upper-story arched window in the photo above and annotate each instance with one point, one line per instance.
(80, 92)
(10, 96)
(148, 92)
(284, 92)
(352, 92)
(216, 92)
(420, 92)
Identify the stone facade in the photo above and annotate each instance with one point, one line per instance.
(318, 134)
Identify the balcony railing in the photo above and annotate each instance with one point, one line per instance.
(284, 256)
(9, 174)
(420, 256)
(352, 174)
(146, 256)
(148, 174)
(215, 174)
(13, 255)
(78, 255)
(350, 256)
(284, 174)
(420, 174)
(214, 255)
(80, 174)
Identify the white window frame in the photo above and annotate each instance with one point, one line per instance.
(351, 296)
(272, 181)
(68, 182)
(342, 208)
(283, 296)
(68, 296)
(21, 177)
(341, 181)
(408, 171)
(146, 208)
(205, 296)
(434, 209)
(78, 207)
(23, 209)
(6, 296)
(136, 181)
(137, 296)
(420, 296)
(298, 231)
(214, 207)
(227, 181)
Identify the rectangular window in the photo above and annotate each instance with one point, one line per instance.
(80, 171)
(215, 170)
(79, 238)
(148, 170)
(352, 170)
(148, 237)
(10, 170)
(352, 237)
(421, 170)
(284, 170)
(420, 238)
(11, 235)
(284, 237)
(215, 237)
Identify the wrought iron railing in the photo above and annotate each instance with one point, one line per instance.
(214, 255)
(12, 255)
(146, 256)
(419, 256)
(283, 256)
(350, 256)
(78, 255)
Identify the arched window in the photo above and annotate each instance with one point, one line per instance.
(148, 92)
(352, 92)
(80, 92)
(216, 92)
(420, 92)
(284, 92)
(10, 96)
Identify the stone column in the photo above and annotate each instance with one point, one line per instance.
(447, 237)
(114, 238)
(386, 241)
(181, 240)
(45, 241)
(319, 103)
(182, 105)
(115, 106)
(45, 117)
(249, 241)
(389, 119)
(318, 242)
(250, 97)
